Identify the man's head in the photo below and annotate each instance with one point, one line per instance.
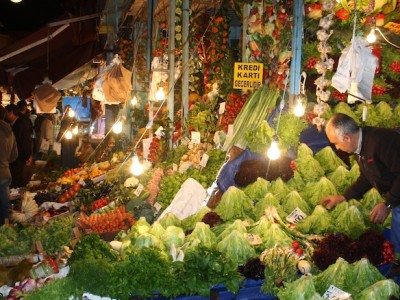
(343, 132)
(12, 113)
(22, 106)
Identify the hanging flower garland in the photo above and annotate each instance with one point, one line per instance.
(270, 33)
(325, 63)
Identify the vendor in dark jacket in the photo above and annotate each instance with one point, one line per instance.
(377, 152)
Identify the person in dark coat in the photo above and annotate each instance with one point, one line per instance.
(9, 149)
(377, 152)
(22, 130)
(68, 145)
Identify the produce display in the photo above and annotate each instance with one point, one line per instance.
(104, 224)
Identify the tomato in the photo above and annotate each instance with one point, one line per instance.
(295, 244)
(76, 187)
(62, 199)
(299, 251)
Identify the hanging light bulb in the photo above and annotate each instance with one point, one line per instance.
(299, 108)
(117, 127)
(71, 113)
(68, 134)
(273, 152)
(371, 38)
(136, 167)
(134, 100)
(16, 1)
(160, 94)
(75, 131)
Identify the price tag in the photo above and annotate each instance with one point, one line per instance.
(254, 239)
(230, 131)
(334, 293)
(174, 167)
(221, 109)
(139, 190)
(296, 216)
(160, 131)
(196, 137)
(57, 148)
(146, 147)
(157, 206)
(204, 160)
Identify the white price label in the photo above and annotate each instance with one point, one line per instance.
(230, 131)
(160, 131)
(174, 167)
(139, 190)
(146, 147)
(157, 206)
(334, 293)
(196, 137)
(204, 160)
(254, 239)
(222, 108)
(296, 216)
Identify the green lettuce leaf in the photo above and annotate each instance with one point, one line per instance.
(157, 230)
(301, 289)
(234, 204)
(371, 199)
(236, 247)
(337, 274)
(224, 230)
(173, 235)
(294, 200)
(340, 179)
(304, 151)
(351, 222)
(268, 200)
(258, 189)
(344, 108)
(364, 274)
(170, 220)
(276, 236)
(189, 222)
(309, 168)
(319, 222)
(279, 189)
(296, 182)
(147, 240)
(384, 289)
(203, 233)
(328, 159)
(318, 190)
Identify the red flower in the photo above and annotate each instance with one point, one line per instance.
(343, 14)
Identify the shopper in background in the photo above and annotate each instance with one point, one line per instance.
(68, 145)
(45, 134)
(377, 152)
(22, 129)
(9, 152)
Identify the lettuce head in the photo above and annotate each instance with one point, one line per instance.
(328, 159)
(203, 233)
(257, 189)
(234, 204)
(268, 200)
(340, 179)
(351, 222)
(236, 247)
(294, 200)
(319, 222)
(383, 289)
(309, 168)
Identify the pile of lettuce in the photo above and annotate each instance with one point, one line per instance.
(361, 279)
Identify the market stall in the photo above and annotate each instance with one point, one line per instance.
(223, 203)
